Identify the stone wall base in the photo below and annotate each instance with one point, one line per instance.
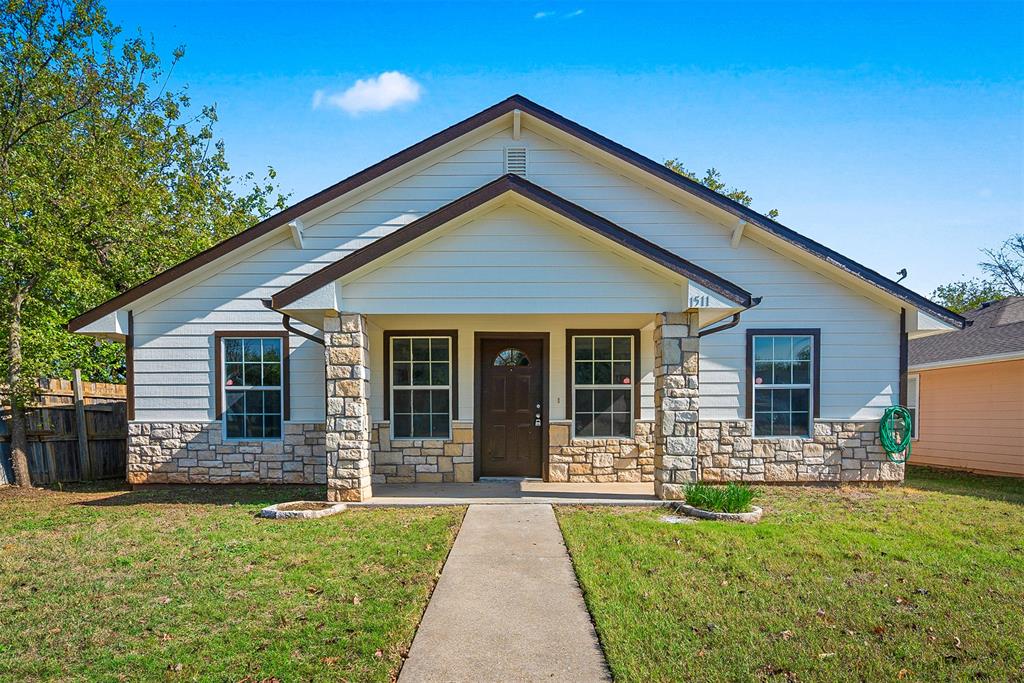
(411, 461)
(838, 452)
(197, 453)
(600, 460)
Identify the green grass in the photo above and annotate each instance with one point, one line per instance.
(187, 584)
(922, 583)
(732, 497)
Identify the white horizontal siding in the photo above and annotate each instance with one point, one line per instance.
(859, 338)
(576, 274)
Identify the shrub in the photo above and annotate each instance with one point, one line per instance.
(731, 498)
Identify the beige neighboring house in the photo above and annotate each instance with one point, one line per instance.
(966, 390)
(514, 296)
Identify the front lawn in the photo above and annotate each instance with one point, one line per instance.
(186, 584)
(922, 583)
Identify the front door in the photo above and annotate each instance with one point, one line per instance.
(511, 383)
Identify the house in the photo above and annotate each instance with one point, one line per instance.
(516, 295)
(966, 392)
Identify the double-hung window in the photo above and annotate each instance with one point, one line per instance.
(603, 384)
(421, 387)
(252, 386)
(783, 383)
(913, 403)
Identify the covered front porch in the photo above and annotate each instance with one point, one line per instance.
(557, 402)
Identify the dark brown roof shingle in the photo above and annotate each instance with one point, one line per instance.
(996, 327)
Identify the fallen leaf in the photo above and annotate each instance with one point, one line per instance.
(821, 612)
(956, 643)
(787, 634)
(903, 673)
(378, 654)
(356, 600)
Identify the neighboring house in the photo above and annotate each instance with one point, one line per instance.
(966, 391)
(514, 296)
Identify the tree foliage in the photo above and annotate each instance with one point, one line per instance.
(1003, 276)
(107, 177)
(712, 179)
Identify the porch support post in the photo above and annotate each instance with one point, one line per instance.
(348, 420)
(676, 403)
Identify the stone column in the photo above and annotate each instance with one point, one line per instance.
(348, 420)
(676, 403)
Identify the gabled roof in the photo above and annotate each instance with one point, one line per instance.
(536, 194)
(997, 329)
(518, 102)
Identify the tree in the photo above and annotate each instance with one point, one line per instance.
(966, 295)
(713, 181)
(1004, 276)
(106, 178)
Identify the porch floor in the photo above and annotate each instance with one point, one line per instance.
(504, 491)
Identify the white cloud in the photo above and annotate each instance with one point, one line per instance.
(548, 14)
(390, 89)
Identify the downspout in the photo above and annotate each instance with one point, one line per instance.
(729, 325)
(286, 322)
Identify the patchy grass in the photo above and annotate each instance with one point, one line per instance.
(186, 584)
(923, 583)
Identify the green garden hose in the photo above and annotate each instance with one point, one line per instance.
(894, 431)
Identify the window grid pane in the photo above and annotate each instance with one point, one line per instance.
(420, 387)
(782, 385)
(252, 387)
(603, 386)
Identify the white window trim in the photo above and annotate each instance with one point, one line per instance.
(391, 391)
(809, 386)
(632, 374)
(224, 390)
(915, 394)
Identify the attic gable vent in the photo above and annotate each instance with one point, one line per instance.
(515, 160)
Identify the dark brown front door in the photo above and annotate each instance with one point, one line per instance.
(511, 382)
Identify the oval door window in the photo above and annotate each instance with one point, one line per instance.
(511, 358)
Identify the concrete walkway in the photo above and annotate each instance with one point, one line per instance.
(507, 606)
(503, 491)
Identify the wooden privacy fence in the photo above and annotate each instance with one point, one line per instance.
(77, 431)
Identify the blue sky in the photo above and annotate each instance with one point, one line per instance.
(892, 132)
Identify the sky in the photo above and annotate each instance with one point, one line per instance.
(891, 132)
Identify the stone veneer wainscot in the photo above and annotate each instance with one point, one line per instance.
(600, 460)
(838, 452)
(408, 461)
(197, 453)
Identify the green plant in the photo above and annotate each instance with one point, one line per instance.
(731, 498)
